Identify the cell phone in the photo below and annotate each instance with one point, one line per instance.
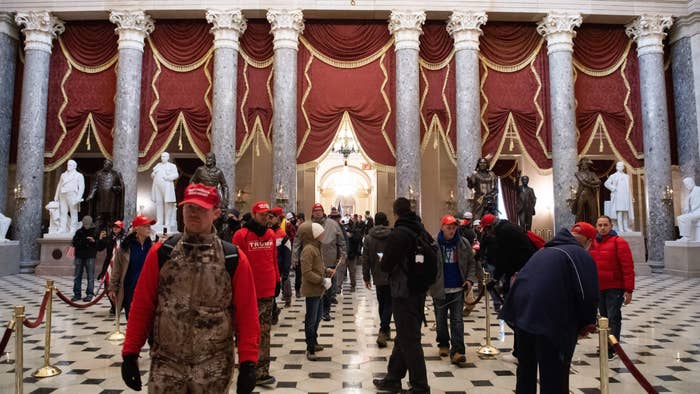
(165, 230)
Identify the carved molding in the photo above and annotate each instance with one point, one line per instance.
(8, 26)
(406, 26)
(558, 30)
(228, 27)
(285, 26)
(132, 27)
(465, 29)
(648, 31)
(40, 28)
(686, 26)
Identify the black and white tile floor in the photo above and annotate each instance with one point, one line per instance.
(660, 332)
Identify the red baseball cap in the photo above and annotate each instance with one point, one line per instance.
(277, 211)
(142, 221)
(202, 195)
(488, 220)
(317, 206)
(119, 224)
(585, 229)
(448, 219)
(260, 207)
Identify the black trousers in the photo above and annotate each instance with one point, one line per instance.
(535, 351)
(407, 355)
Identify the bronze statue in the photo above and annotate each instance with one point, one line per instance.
(526, 203)
(211, 175)
(586, 205)
(107, 195)
(485, 185)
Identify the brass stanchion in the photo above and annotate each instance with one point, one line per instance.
(487, 350)
(19, 349)
(47, 370)
(603, 346)
(116, 335)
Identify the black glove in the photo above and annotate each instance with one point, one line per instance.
(246, 378)
(130, 371)
(278, 287)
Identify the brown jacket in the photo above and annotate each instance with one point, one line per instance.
(120, 266)
(312, 269)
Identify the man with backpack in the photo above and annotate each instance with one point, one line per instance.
(198, 276)
(410, 258)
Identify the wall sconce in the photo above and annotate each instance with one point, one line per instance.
(667, 197)
(412, 197)
(451, 202)
(240, 199)
(572, 197)
(19, 194)
(281, 197)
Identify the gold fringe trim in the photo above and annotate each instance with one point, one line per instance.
(178, 67)
(256, 63)
(153, 107)
(515, 67)
(208, 103)
(64, 130)
(602, 127)
(346, 64)
(83, 68)
(388, 105)
(449, 114)
(303, 109)
(437, 66)
(485, 106)
(606, 71)
(628, 111)
(540, 124)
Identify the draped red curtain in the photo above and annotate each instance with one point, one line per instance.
(507, 171)
(355, 59)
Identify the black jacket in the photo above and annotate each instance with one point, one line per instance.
(375, 242)
(84, 248)
(508, 248)
(400, 245)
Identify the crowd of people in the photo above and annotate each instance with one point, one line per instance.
(195, 296)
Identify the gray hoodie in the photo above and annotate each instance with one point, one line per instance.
(332, 245)
(374, 243)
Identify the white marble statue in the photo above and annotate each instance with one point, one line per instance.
(691, 212)
(54, 217)
(621, 198)
(164, 175)
(69, 194)
(4, 226)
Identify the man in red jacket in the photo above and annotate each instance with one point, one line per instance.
(257, 241)
(194, 300)
(613, 259)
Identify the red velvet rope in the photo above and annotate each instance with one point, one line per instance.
(633, 370)
(80, 306)
(5, 339)
(42, 310)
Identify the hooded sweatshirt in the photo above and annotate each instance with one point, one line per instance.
(374, 244)
(400, 246)
(312, 269)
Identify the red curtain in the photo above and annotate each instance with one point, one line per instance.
(346, 41)
(508, 44)
(507, 171)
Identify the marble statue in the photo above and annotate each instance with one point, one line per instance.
(485, 185)
(164, 175)
(69, 194)
(526, 203)
(621, 198)
(107, 195)
(586, 205)
(4, 226)
(211, 175)
(54, 217)
(691, 212)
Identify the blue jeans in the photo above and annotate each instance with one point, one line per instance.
(610, 306)
(384, 303)
(314, 309)
(454, 303)
(89, 266)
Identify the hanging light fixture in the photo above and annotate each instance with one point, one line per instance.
(345, 140)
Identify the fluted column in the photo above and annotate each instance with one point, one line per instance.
(465, 29)
(406, 26)
(558, 30)
(132, 28)
(286, 25)
(8, 58)
(39, 28)
(228, 27)
(648, 32)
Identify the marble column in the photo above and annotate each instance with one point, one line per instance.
(132, 28)
(648, 32)
(558, 30)
(465, 29)
(286, 25)
(9, 38)
(685, 66)
(406, 26)
(228, 27)
(39, 28)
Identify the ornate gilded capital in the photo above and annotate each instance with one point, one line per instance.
(648, 31)
(8, 26)
(406, 26)
(558, 30)
(285, 26)
(40, 28)
(228, 27)
(465, 28)
(132, 27)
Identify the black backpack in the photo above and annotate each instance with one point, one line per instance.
(421, 275)
(230, 253)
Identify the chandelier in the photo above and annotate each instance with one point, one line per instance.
(345, 143)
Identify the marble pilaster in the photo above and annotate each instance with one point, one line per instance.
(9, 37)
(132, 28)
(228, 27)
(465, 29)
(406, 26)
(558, 30)
(286, 25)
(39, 28)
(648, 32)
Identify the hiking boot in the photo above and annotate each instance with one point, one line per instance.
(381, 339)
(444, 351)
(392, 386)
(458, 358)
(266, 380)
(318, 348)
(311, 356)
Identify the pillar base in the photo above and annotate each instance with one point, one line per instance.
(682, 258)
(636, 242)
(53, 260)
(9, 258)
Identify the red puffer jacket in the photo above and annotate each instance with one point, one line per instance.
(613, 258)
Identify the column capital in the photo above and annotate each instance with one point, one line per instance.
(132, 27)
(648, 31)
(686, 26)
(40, 28)
(465, 29)
(558, 30)
(406, 26)
(8, 26)
(285, 26)
(228, 27)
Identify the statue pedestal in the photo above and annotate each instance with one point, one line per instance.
(636, 242)
(53, 259)
(9, 258)
(682, 258)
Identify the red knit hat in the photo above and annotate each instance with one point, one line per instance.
(585, 229)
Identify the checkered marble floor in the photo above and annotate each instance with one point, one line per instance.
(660, 332)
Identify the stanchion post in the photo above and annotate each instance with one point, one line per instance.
(603, 330)
(487, 349)
(19, 349)
(116, 335)
(47, 370)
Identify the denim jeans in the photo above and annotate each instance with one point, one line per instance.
(384, 303)
(314, 309)
(610, 306)
(129, 289)
(89, 266)
(454, 303)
